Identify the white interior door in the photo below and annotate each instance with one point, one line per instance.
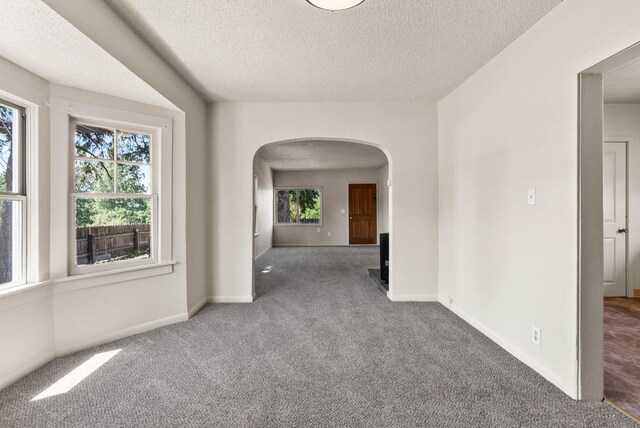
(615, 218)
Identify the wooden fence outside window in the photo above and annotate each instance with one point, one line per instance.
(110, 243)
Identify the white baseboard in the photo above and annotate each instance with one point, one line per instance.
(231, 299)
(412, 297)
(78, 346)
(197, 307)
(507, 346)
(129, 331)
(26, 369)
(265, 250)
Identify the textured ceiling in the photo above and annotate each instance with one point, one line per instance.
(41, 41)
(305, 155)
(623, 84)
(288, 50)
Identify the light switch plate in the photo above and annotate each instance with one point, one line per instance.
(531, 197)
(342, 211)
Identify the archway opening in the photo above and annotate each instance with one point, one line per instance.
(325, 198)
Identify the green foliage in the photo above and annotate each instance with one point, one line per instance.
(298, 206)
(108, 212)
(309, 204)
(97, 176)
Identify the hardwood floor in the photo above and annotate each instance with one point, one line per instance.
(622, 353)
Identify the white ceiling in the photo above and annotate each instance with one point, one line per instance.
(41, 41)
(288, 50)
(311, 154)
(622, 86)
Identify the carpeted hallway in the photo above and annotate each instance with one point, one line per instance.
(321, 347)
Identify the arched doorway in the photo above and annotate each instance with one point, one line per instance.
(307, 193)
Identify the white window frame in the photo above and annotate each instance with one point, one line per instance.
(160, 194)
(21, 195)
(275, 206)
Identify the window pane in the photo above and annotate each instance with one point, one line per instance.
(133, 147)
(9, 150)
(10, 241)
(298, 206)
(94, 142)
(287, 210)
(112, 230)
(94, 176)
(134, 178)
(309, 206)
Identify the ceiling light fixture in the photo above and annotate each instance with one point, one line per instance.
(335, 4)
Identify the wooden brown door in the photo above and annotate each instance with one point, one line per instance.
(362, 214)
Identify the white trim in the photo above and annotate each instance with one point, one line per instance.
(26, 369)
(412, 297)
(162, 208)
(230, 299)
(152, 196)
(22, 294)
(120, 334)
(113, 276)
(263, 251)
(221, 299)
(196, 308)
(507, 346)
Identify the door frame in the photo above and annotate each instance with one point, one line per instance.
(626, 139)
(590, 301)
(377, 211)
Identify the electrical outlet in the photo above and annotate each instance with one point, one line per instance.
(536, 335)
(531, 197)
(343, 211)
(450, 301)
(328, 233)
(318, 230)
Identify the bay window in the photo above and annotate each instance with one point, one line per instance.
(114, 196)
(13, 198)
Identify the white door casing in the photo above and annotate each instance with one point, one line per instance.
(614, 206)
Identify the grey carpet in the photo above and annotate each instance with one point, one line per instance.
(321, 347)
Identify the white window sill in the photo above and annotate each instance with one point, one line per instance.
(21, 294)
(114, 276)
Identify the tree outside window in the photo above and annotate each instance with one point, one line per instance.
(298, 206)
(12, 193)
(113, 194)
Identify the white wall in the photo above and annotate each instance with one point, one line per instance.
(190, 157)
(27, 338)
(115, 304)
(264, 204)
(383, 200)
(622, 123)
(56, 314)
(513, 126)
(407, 134)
